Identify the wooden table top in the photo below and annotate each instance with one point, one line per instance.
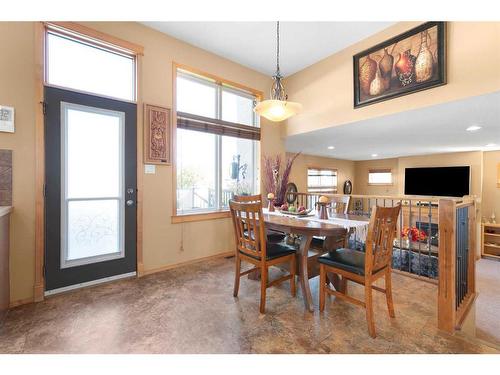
(291, 224)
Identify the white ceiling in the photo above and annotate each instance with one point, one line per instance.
(431, 130)
(253, 44)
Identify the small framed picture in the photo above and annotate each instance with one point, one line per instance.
(6, 119)
(157, 135)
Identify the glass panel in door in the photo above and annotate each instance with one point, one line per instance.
(92, 201)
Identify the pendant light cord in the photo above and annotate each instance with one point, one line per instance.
(278, 48)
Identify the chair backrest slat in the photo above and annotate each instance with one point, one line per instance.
(249, 227)
(379, 241)
(341, 203)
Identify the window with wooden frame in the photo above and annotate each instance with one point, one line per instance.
(381, 176)
(217, 140)
(321, 180)
(79, 62)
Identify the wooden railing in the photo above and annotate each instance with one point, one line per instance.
(447, 254)
(457, 236)
(417, 258)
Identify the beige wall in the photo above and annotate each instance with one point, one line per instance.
(17, 89)
(357, 171)
(164, 243)
(298, 175)
(491, 179)
(398, 165)
(325, 89)
(483, 175)
(472, 159)
(162, 239)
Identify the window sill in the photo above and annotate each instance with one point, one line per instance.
(213, 215)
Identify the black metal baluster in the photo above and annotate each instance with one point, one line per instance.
(419, 243)
(409, 239)
(429, 238)
(401, 225)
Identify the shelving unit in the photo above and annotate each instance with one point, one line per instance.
(490, 238)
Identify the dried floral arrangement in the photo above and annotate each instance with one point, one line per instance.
(276, 175)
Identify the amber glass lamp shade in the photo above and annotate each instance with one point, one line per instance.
(277, 110)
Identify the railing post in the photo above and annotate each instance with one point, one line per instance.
(446, 259)
(472, 248)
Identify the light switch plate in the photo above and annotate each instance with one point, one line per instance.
(6, 119)
(149, 168)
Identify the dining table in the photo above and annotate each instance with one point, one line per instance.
(333, 229)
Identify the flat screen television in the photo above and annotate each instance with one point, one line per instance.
(438, 181)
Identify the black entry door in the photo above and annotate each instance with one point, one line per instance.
(90, 194)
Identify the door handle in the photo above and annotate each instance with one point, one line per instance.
(130, 202)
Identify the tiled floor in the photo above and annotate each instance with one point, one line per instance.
(488, 301)
(191, 310)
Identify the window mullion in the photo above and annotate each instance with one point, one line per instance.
(218, 152)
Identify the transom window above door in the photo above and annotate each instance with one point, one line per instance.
(87, 65)
(217, 143)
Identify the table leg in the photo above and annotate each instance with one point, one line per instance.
(305, 244)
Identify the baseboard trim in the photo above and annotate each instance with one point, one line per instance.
(187, 263)
(141, 272)
(89, 283)
(20, 302)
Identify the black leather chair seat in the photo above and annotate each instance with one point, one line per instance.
(346, 259)
(317, 242)
(275, 250)
(272, 236)
(275, 236)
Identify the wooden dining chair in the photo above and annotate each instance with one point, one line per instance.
(340, 203)
(272, 235)
(252, 246)
(364, 267)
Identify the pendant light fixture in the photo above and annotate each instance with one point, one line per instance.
(278, 108)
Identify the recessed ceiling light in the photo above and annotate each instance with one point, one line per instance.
(473, 128)
(374, 155)
(331, 147)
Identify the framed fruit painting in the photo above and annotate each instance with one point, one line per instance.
(410, 62)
